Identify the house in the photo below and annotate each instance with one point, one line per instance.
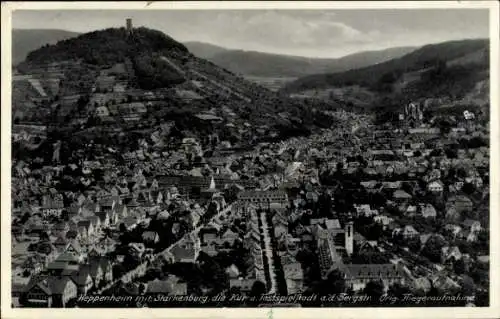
(229, 236)
(232, 272)
(460, 203)
(150, 237)
(410, 210)
(69, 258)
(444, 283)
(384, 220)
(58, 268)
(170, 286)
(422, 284)
(61, 243)
(476, 181)
(156, 196)
(264, 198)
(130, 222)
(85, 229)
(49, 291)
(280, 229)
(453, 229)
(428, 211)
(435, 187)
(407, 232)
(136, 249)
(244, 285)
(105, 218)
(208, 235)
(33, 264)
(401, 196)
(470, 236)
(450, 254)
(96, 224)
(358, 275)
(472, 226)
(433, 175)
(365, 210)
(469, 115)
(452, 214)
(121, 212)
(102, 111)
(393, 186)
(95, 272)
(51, 210)
(60, 228)
(107, 269)
(294, 277)
(186, 251)
(483, 259)
(458, 185)
(82, 279)
(425, 238)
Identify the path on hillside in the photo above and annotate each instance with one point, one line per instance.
(173, 65)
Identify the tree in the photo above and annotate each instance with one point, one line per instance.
(374, 290)
(477, 142)
(436, 152)
(482, 298)
(44, 236)
(258, 289)
(142, 288)
(118, 270)
(26, 216)
(335, 282)
(325, 205)
(398, 290)
(374, 231)
(414, 244)
(459, 266)
(468, 188)
(131, 261)
(65, 215)
(432, 249)
(71, 234)
(451, 153)
(152, 274)
(468, 286)
(122, 228)
(44, 248)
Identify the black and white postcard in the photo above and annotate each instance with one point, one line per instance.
(232, 159)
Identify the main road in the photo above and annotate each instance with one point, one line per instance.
(268, 250)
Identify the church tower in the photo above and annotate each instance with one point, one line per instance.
(349, 237)
(129, 25)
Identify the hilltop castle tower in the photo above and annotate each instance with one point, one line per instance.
(129, 25)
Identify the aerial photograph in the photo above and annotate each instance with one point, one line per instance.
(250, 158)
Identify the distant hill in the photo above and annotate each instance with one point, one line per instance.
(445, 70)
(422, 58)
(111, 67)
(247, 63)
(26, 40)
(259, 64)
(204, 50)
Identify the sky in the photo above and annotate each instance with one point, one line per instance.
(313, 33)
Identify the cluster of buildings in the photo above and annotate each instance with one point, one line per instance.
(86, 222)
